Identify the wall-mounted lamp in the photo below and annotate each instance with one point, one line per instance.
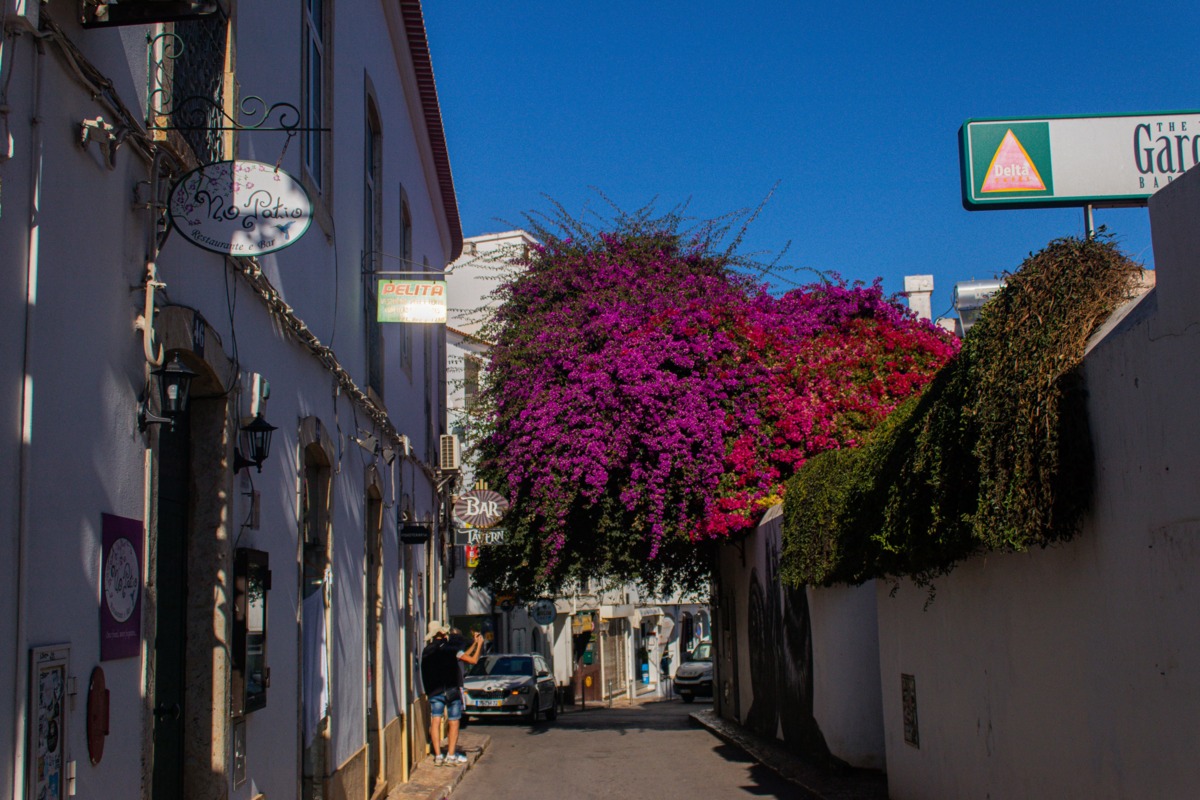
(256, 436)
(174, 383)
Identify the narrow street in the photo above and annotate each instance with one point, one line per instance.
(647, 750)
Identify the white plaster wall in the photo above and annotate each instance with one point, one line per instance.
(477, 273)
(87, 371)
(1072, 672)
(84, 454)
(844, 706)
(846, 696)
(15, 54)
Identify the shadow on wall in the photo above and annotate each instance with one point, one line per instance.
(781, 660)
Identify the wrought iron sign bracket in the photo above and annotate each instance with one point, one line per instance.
(427, 270)
(204, 112)
(195, 113)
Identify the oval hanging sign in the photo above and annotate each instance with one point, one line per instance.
(240, 208)
(480, 508)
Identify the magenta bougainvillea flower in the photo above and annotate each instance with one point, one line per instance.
(645, 401)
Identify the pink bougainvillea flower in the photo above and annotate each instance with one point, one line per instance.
(644, 399)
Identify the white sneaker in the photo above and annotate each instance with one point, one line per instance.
(457, 758)
(438, 760)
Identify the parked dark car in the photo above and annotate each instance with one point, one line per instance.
(694, 678)
(511, 685)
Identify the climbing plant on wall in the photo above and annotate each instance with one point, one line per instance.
(995, 455)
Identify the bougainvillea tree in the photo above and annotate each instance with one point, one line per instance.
(645, 400)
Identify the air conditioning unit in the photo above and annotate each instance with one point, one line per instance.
(448, 453)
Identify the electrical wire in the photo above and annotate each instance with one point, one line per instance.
(231, 308)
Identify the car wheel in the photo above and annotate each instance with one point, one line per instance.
(687, 698)
(531, 717)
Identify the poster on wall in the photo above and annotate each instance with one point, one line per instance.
(120, 588)
(46, 750)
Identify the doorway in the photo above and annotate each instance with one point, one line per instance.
(373, 611)
(170, 635)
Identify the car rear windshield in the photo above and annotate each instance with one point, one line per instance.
(503, 665)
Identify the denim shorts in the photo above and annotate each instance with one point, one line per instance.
(438, 706)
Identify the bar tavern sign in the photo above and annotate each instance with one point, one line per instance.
(240, 208)
(475, 537)
(480, 508)
(1035, 162)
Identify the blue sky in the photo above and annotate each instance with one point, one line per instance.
(853, 108)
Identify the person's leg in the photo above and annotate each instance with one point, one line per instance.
(454, 711)
(437, 709)
(435, 734)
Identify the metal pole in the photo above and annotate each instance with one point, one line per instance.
(1089, 222)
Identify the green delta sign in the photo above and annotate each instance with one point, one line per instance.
(1074, 161)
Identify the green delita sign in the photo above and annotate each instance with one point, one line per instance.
(1074, 161)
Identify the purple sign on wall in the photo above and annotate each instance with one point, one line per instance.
(121, 588)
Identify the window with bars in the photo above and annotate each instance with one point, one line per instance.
(471, 369)
(316, 93)
(198, 71)
(372, 242)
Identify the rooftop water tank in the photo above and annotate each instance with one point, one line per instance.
(969, 298)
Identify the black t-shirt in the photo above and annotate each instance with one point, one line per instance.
(439, 664)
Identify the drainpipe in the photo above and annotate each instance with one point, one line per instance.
(23, 468)
(145, 322)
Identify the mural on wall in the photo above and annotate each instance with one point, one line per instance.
(781, 657)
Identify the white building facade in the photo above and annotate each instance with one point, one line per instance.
(183, 624)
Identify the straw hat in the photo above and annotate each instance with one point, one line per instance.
(436, 627)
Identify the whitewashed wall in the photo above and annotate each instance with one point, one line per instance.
(82, 454)
(1072, 672)
(846, 695)
(766, 654)
(84, 363)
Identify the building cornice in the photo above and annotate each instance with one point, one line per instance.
(418, 46)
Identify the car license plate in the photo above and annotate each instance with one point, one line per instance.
(488, 703)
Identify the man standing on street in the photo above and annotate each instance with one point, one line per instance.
(442, 680)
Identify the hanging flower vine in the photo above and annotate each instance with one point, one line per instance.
(645, 400)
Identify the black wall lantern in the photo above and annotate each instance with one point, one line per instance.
(256, 435)
(174, 384)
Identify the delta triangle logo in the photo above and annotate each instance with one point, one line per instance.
(1012, 169)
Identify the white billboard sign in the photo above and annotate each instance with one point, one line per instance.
(1075, 161)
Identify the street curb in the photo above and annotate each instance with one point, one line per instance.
(427, 782)
(821, 781)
